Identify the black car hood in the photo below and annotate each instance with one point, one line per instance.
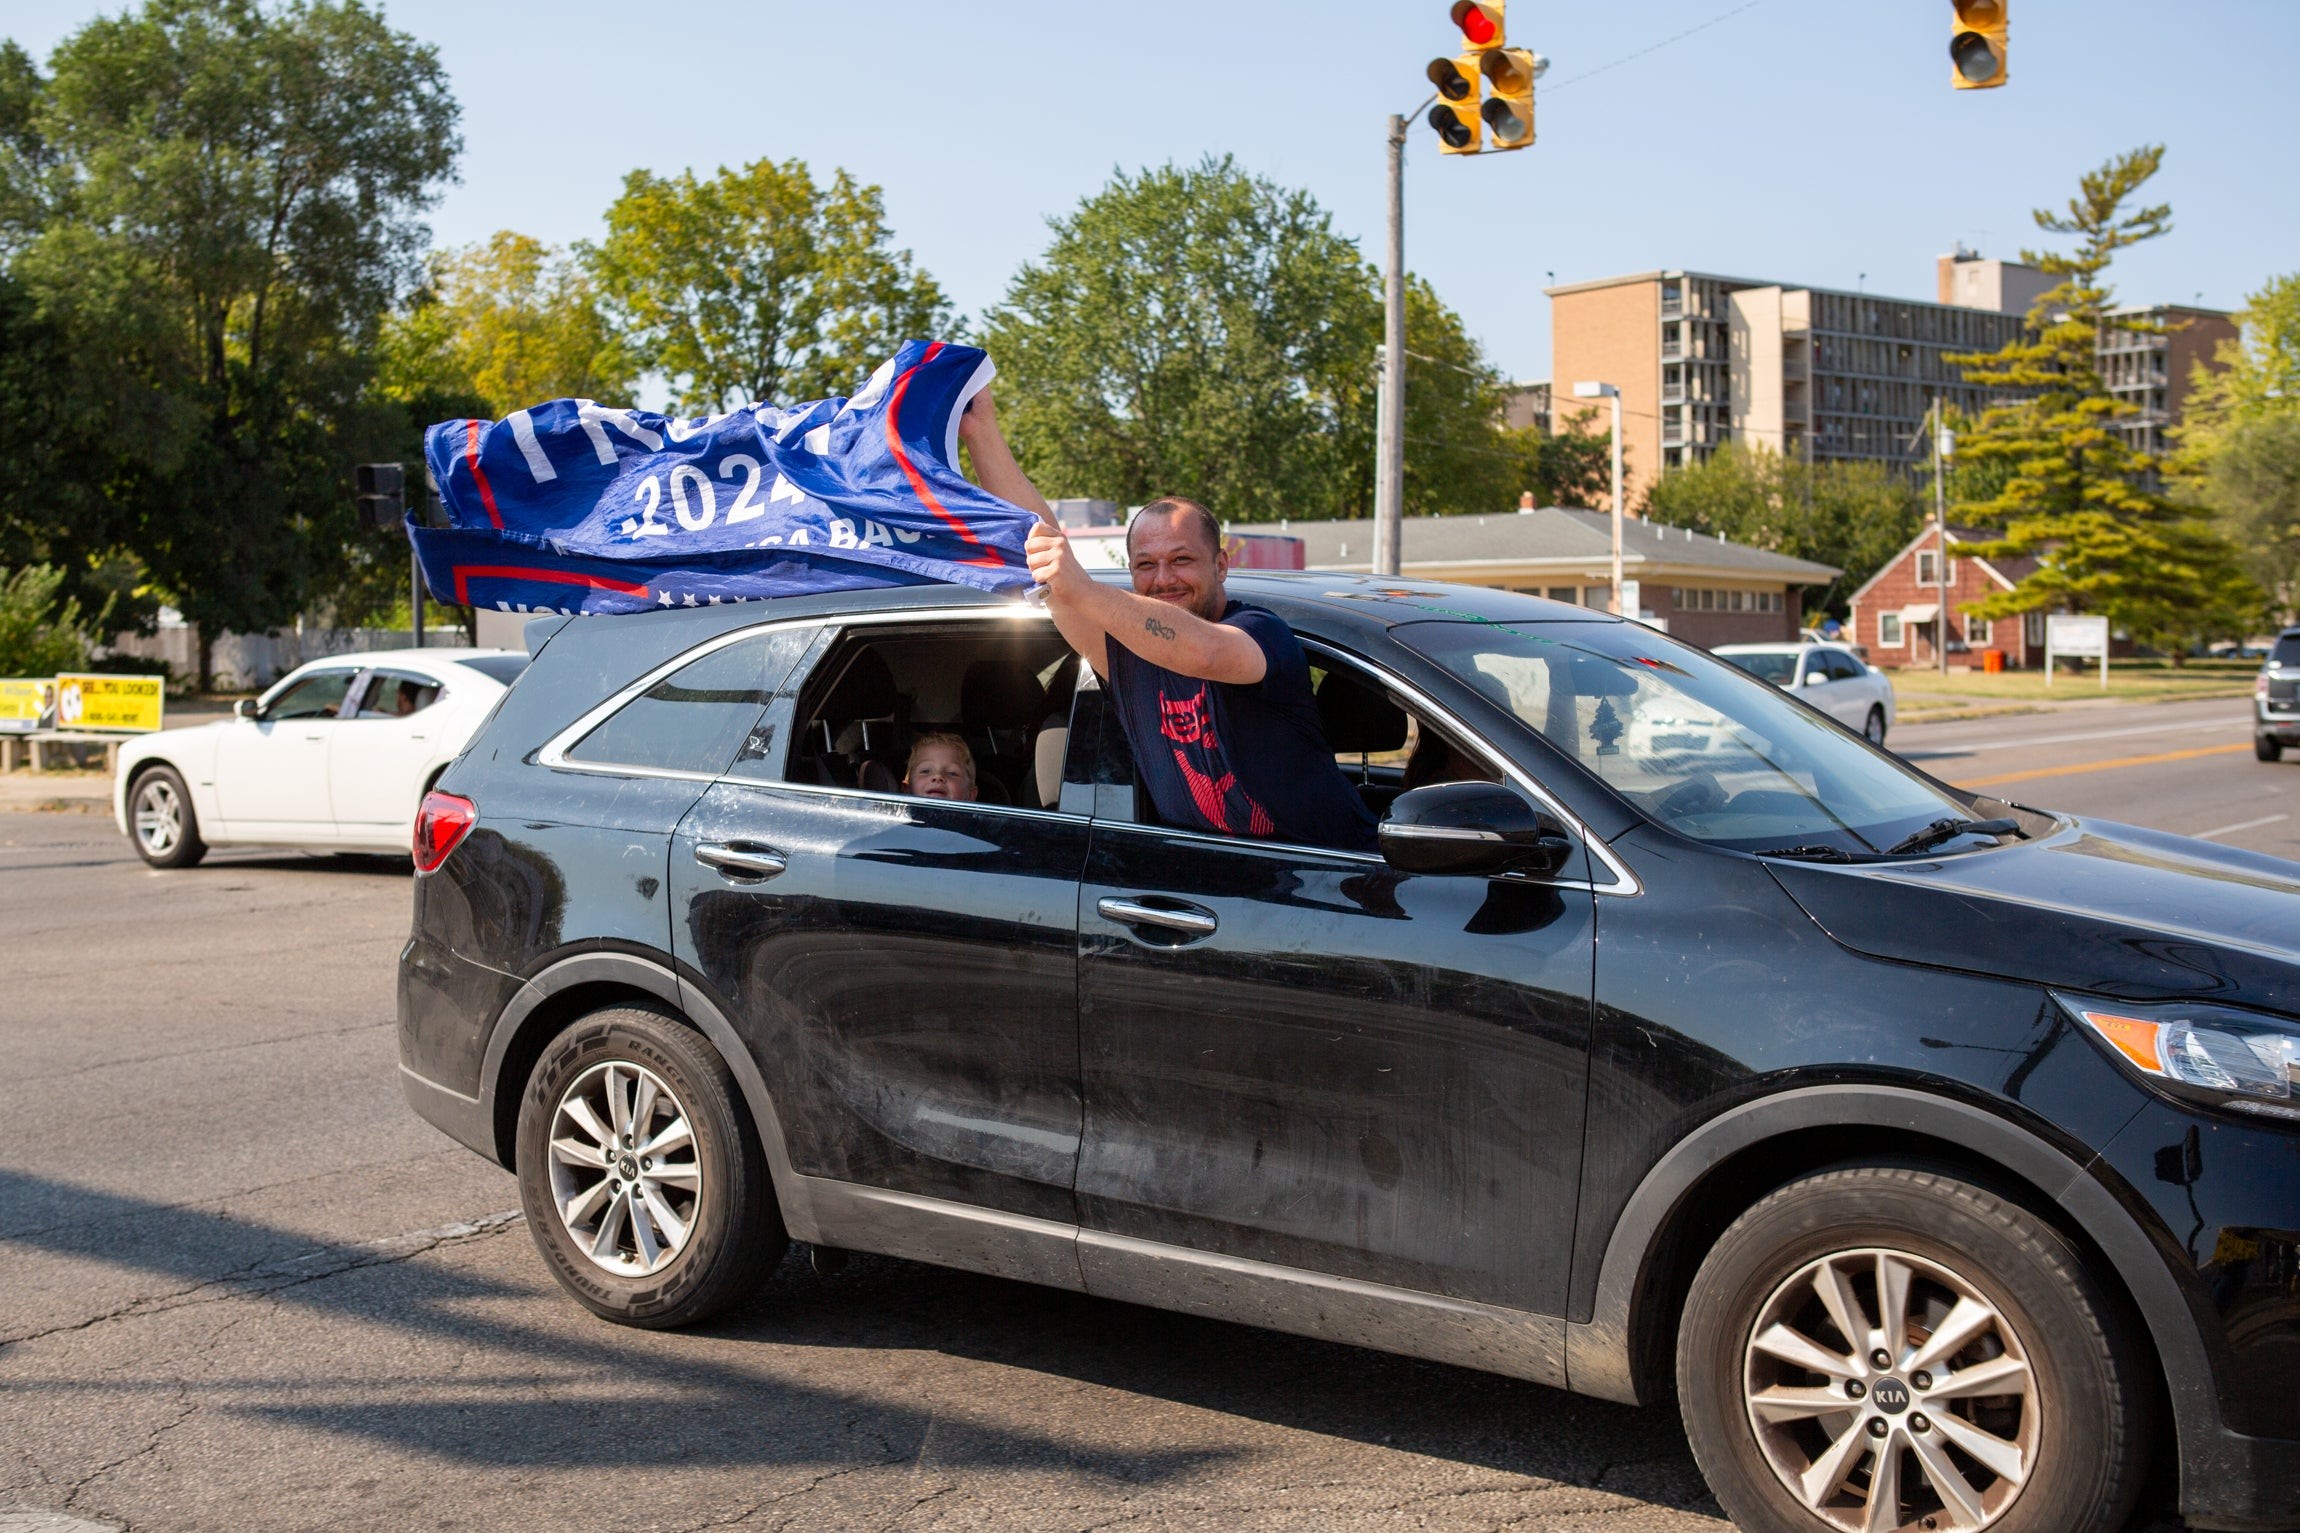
(2110, 909)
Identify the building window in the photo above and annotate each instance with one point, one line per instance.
(1600, 597)
(2032, 629)
(1563, 593)
(1928, 568)
(1889, 630)
(1977, 630)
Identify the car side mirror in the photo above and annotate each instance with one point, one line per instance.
(247, 708)
(1473, 827)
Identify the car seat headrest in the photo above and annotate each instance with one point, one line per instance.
(864, 691)
(1000, 694)
(1357, 718)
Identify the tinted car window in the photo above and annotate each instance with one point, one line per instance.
(696, 718)
(503, 668)
(1843, 667)
(1695, 744)
(317, 696)
(2287, 651)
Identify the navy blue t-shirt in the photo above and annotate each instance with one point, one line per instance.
(1239, 760)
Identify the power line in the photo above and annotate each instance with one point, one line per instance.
(1656, 48)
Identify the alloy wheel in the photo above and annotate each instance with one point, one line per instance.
(1888, 1393)
(159, 816)
(624, 1172)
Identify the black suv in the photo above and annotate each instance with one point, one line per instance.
(1940, 1153)
(2276, 699)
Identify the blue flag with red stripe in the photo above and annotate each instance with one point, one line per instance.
(574, 506)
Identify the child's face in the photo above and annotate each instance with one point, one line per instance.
(939, 773)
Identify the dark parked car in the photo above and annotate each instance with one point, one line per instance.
(2276, 699)
(1941, 1154)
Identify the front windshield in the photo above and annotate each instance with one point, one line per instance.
(1776, 668)
(1697, 745)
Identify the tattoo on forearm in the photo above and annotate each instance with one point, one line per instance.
(1152, 625)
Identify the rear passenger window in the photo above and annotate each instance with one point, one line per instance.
(699, 716)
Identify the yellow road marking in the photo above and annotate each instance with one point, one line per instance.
(2100, 766)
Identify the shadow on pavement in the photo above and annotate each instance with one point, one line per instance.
(712, 1411)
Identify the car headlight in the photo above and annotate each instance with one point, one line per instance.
(2215, 1055)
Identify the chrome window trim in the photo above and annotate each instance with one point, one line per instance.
(1625, 883)
(554, 752)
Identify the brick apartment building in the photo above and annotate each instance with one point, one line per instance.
(1897, 614)
(1702, 360)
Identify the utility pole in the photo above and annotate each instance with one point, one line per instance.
(1943, 449)
(1390, 467)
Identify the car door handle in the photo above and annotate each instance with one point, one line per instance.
(741, 860)
(1188, 918)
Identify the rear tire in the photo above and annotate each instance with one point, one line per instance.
(2267, 748)
(2028, 1417)
(643, 1179)
(161, 820)
(1873, 728)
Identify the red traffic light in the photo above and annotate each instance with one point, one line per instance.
(1480, 24)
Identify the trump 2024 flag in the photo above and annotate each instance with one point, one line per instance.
(573, 506)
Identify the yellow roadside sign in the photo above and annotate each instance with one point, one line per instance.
(109, 702)
(25, 702)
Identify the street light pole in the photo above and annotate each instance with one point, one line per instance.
(1609, 391)
(1390, 469)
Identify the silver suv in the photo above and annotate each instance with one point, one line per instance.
(2276, 699)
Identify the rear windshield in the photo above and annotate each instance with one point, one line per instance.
(2287, 651)
(502, 668)
(1777, 669)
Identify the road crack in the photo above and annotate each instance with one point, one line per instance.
(282, 1273)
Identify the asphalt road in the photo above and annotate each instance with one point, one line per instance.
(247, 1289)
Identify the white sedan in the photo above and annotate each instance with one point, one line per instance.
(336, 756)
(1829, 676)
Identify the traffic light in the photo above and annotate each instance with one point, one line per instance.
(1481, 25)
(1455, 116)
(1977, 45)
(381, 493)
(1508, 112)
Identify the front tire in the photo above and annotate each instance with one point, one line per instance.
(1873, 728)
(2267, 748)
(161, 820)
(1886, 1348)
(642, 1177)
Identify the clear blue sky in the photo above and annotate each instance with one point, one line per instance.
(1807, 140)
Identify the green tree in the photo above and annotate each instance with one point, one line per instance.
(759, 284)
(2251, 477)
(509, 322)
(2239, 447)
(239, 191)
(26, 162)
(1855, 516)
(40, 630)
(2070, 491)
(1570, 466)
(1200, 331)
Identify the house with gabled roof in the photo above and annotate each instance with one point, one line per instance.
(1898, 614)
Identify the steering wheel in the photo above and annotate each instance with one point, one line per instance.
(1698, 794)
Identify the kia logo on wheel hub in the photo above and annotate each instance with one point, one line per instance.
(1891, 1396)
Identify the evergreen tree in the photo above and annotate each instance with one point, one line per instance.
(2069, 490)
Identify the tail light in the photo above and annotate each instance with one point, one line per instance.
(440, 826)
(2260, 685)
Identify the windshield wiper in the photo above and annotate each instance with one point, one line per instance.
(1809, 853)
(1948, 830)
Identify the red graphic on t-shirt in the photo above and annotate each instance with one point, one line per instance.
(1210, 781)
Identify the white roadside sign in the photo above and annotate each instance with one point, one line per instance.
(2068, 633)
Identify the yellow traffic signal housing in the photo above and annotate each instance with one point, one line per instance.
(1480, 23)
(1977, 44)
(1459, 129)
(1508, 112)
